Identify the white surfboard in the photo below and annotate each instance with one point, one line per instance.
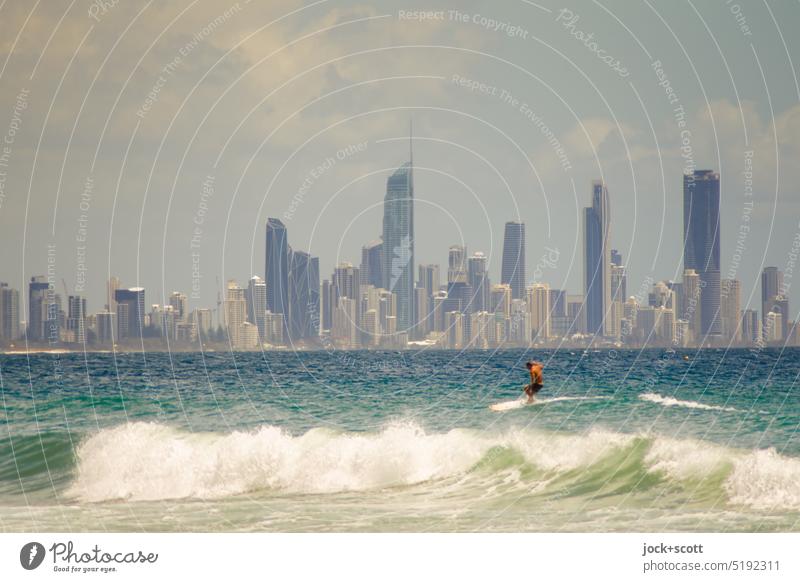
(510, 405)
(519, 403)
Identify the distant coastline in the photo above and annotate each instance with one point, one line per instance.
(126, 349)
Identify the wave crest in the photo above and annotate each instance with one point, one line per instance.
(148, 461)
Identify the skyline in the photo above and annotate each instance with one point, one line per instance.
(700, 306)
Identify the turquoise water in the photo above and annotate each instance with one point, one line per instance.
(400, 441)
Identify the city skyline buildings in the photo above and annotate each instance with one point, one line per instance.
(701, 236)
(597, 259)
(669, 310)
(513, 266)
(398, 240)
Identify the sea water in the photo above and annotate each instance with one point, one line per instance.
(653, 440)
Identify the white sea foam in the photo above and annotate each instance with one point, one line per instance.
(148, 461)
(669, 401)
(765, 480)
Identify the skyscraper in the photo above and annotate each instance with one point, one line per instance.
(513, 268)
(130, 312)
(692, 308)
(731, 308)
(457, 265)
(276, 269)
(398, 242)
(180, 304)
(478, 280)
(429, 278)
(235, 314)
(76, 318)
(9, 313)
(771, 287)
(256, 298)
(372, 264)
(597, 259)
(304, 295)
(701, 236)
(39, 293)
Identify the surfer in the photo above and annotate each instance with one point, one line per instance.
(537, 382)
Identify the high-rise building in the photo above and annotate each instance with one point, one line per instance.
(538, 298)
(772, 290)
(346, 282)
(372, 264)
(202, 319)
(751, 330)
(422, 307)
(429, 278)
(454, 329)
(692, 307)
(39, 296)
(106, 326)
(256, 299)
(111, 294)
(558, 303)
(597, 259)
(513, 268)
(478, 280)
(576, 313)
(130, 312)
(9, 313)
(76, 318)
(616, 258)
(304, 296)
(457, 265)
(326, 305)
(730, 309)
(701, 236)
(771, 287)
(500, 302)
(277, 268)
(398, 242)
(235, 314)
(345, 330)
(180, 305)
(619, 284)
(780, 304)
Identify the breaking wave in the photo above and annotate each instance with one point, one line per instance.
(149, 461)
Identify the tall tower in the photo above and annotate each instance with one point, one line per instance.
(276, 269)
(478, 280)
(39, 293)
(771, 287)
(597, 259)
(256, 298)
(304, 296)
(457, 264)
(398, 241)
(9, 312)
(701, 235)
(372, 264)
(130, 309)
(513, 268)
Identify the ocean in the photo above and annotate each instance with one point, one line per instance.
(651, 440)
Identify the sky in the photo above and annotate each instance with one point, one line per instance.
(151, 140)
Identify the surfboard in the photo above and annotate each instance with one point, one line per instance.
(510, 405)
(521, 402)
